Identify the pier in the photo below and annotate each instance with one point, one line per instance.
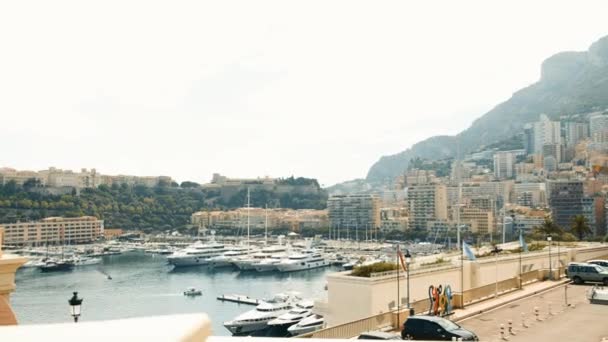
(240, 299)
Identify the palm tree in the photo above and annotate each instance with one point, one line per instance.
(580, 226)
(549, 228)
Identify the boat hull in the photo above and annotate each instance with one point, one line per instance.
(293, 267)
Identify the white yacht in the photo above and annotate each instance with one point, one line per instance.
(196, 254)
(307, 325)
(257, 319)
(248, 263)
(269, 264)
(85, 261)
(303, 261)
(299, 312)
(227, 259)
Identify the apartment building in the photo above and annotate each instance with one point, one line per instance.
(565, 200)
(480, 220)
(427, 202)
(53, 230)
(354, 211)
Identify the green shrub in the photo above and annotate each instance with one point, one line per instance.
(366, 271)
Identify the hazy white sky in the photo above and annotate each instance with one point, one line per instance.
(246, 88)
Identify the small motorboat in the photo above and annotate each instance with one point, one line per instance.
(191, 291)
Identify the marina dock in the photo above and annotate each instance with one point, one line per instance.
(240, 299)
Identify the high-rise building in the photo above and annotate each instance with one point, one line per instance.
(354, 211)
(528, 138)
(553, 150)
(504, 164)
(565, 200)
(546, 132)
(575, 132)
(598, 127)
(427, 202)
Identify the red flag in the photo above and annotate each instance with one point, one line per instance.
(402, 260)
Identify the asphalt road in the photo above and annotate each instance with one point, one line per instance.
(580, 321)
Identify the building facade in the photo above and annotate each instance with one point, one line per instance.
(427, 202)
(354, 211)
(546, 132)
(53, 230)
(565, 200)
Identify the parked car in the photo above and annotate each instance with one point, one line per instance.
(378, 335)
(603, 263)
(432, 328)
(582, 272)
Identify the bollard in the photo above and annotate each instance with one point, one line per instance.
(523, 320)
(537, 314)
(502, 333)
(511, 332)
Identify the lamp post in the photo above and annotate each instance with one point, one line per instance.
(550, 266)
(408, 260)
(496, 250)
(75, 304)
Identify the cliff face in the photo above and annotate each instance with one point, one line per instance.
(570, 83)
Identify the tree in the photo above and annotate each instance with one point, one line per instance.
(549, 228)
(188, 184)
(580, 226)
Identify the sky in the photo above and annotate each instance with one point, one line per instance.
(318, 89)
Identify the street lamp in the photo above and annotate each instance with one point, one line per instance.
(408, 260)
(550, 266)
(75, 304)
(496, 250)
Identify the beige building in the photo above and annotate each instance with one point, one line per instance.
(260, 217)
(354, 211)
(481, 221)
(53, 230)
(426, 202)
(54, 177)
(7, 174)
(394, 218)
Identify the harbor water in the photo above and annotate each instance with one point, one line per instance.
(144, 285)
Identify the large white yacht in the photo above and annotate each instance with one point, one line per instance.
(257, 319)
(299, 312)
(248, 263)
(196, 254)
(309, 324)
(227, 259)
(303, 261)
(269, 264)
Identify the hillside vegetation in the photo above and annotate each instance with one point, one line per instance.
(140, 207)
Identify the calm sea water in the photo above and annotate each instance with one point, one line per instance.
(144, 285)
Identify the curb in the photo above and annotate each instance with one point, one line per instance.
(498, 305)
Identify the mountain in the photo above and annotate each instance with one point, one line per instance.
(570, 83)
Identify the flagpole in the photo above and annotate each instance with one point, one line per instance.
(462, 275)
(398, 294)
(522, 248)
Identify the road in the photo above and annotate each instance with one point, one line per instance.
(580, 321)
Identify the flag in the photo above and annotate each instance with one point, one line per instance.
(468, 252)
(402, 260)
(522, 242)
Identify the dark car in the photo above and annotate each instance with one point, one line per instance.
(378, 335)
(432, 328)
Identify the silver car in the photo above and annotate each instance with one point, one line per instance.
(582, 272)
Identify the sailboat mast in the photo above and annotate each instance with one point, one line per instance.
(266, 225)
(248, 208)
